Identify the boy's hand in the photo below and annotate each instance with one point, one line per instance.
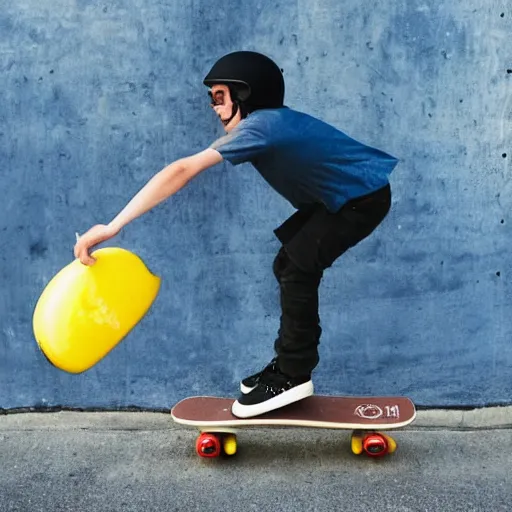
(95, 235)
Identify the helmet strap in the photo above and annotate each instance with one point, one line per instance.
(234, 112)
(243, 109)
(237, 104)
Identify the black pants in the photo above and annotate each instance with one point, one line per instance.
(312, 240)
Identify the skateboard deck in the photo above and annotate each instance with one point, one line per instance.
(213, 418)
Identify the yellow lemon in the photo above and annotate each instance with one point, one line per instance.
(85, 311)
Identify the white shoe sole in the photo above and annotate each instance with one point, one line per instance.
(288, 397)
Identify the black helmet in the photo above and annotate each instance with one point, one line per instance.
(256, 79)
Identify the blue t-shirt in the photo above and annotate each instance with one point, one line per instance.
(304, 159)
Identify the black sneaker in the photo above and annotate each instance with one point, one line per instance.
(273, 391)
(249, 383)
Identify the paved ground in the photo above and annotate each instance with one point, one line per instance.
(459, 461)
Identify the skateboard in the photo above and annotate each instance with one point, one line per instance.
(365, 416)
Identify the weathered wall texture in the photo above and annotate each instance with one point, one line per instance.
(95, 97)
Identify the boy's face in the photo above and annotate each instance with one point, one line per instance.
(224, 106)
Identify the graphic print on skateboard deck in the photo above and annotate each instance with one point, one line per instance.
(213, 418)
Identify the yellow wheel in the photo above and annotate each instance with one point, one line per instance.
(391, 443)
(357, 443)
(229, 444)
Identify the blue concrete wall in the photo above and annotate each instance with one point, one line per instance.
(95, 97)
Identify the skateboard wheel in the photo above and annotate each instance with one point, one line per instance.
(356, 443)
(208, 445)
(229, 444)
(375, 445)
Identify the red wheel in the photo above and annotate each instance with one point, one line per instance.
(208, 445)
(375, 445)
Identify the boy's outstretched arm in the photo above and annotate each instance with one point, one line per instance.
(161, 186)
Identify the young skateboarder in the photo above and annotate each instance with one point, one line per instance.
(339, 186)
